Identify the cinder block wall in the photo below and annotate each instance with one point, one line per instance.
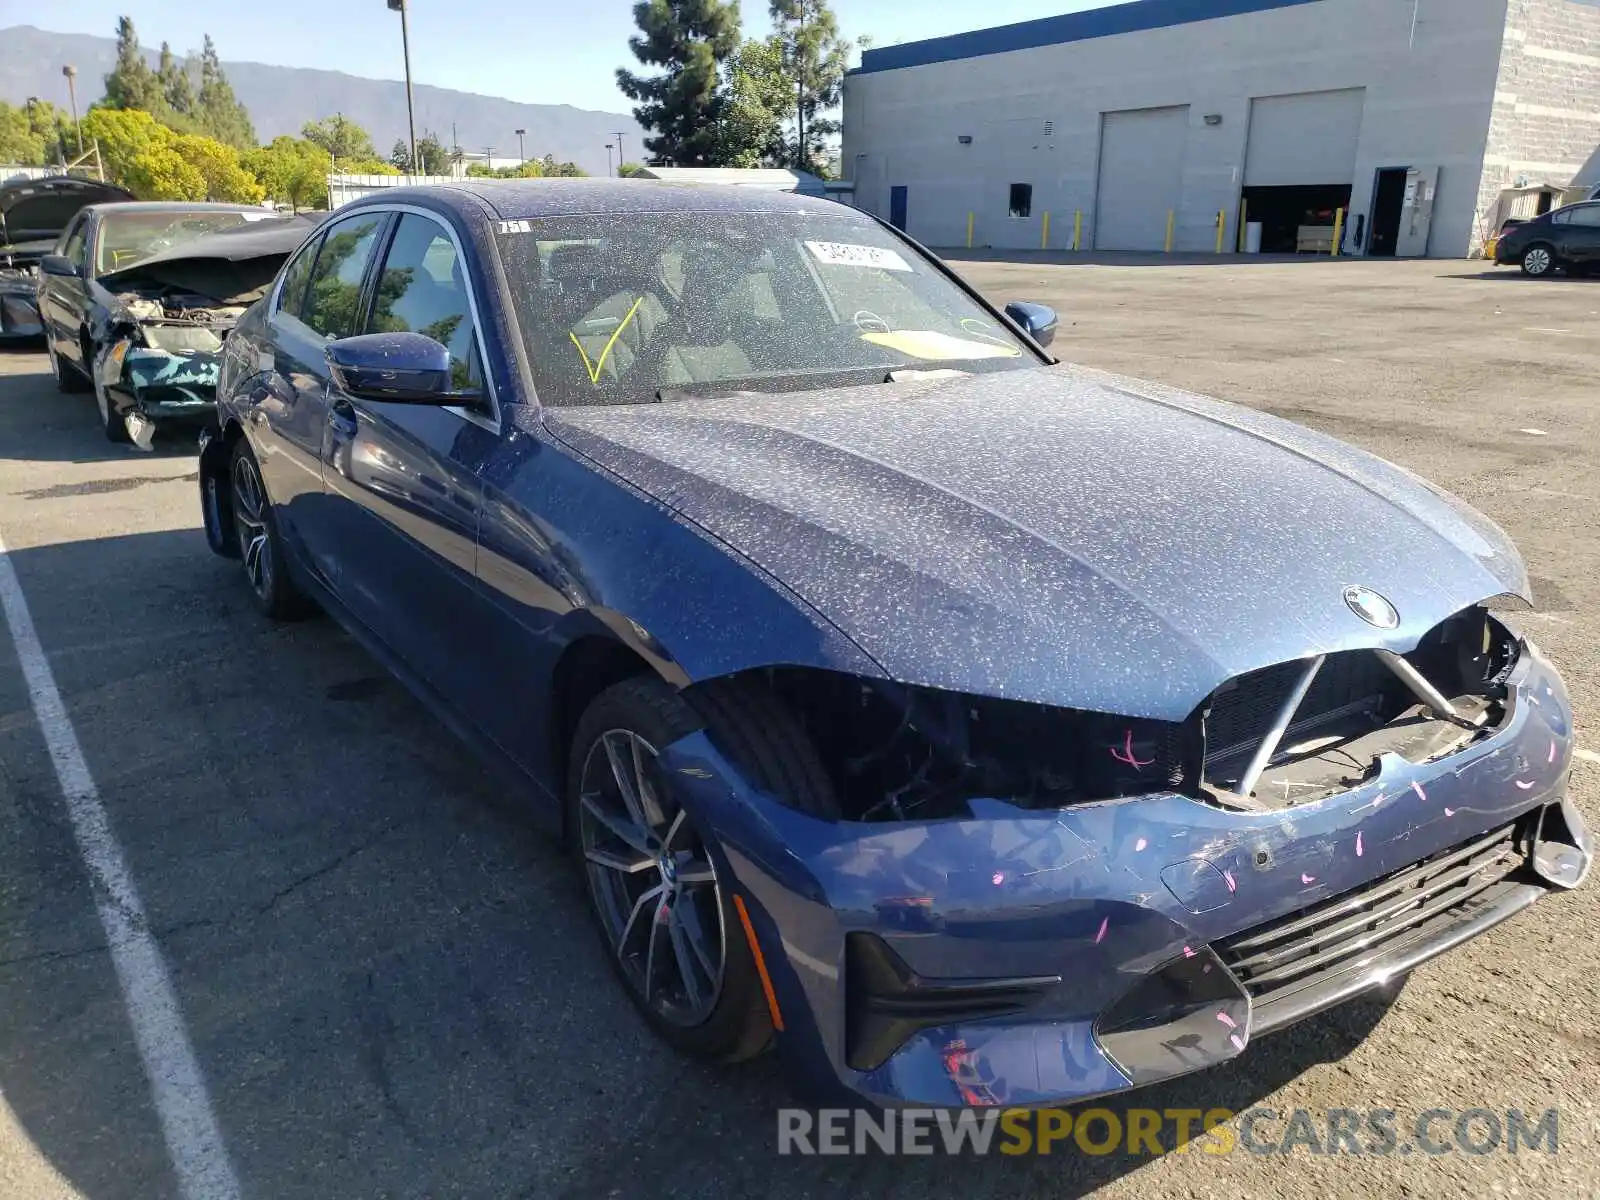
(1545, 126)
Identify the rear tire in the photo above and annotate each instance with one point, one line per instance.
(260, 545)
(67, 379)
(651, 869)
(1538, 261)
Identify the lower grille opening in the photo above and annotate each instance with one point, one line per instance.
(1341, 934)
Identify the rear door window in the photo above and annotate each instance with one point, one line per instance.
(292, 295)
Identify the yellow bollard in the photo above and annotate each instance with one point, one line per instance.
(1044, 237)
(1244, 223)
(1222, 227)
(969, 231)
(1171, 218)
(1077, 229)
(1338, 228)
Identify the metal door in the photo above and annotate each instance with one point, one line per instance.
(1416, 211)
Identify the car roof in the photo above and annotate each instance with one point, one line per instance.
(175, 206)
(524, 199)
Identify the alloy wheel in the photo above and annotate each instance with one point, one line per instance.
(250, 520)
(653, 883)
(1537, 261)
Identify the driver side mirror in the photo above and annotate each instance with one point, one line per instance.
(401, 368)
(1037, 320)
(60, 265)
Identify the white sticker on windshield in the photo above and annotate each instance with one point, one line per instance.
(847, 254)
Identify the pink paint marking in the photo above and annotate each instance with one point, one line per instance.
(1551, 757)
(1417, 788)
(1525, 785)
(1125, 754)
(1227, 1020)
(1449, 812)
(998, 878)
(1359, 851)
(1238, 1043)
(1139, 845)
(1227, 878)
(1100, 937)
(1308, 880)
(1188, 953)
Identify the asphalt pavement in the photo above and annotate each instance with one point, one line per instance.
(386, 972)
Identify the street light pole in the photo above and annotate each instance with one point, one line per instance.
(522, 151)
(71, 73)
(399, 6)
(609, 172)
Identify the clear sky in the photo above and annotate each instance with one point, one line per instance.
(534, 51)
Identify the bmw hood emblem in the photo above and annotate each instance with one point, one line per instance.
(1371, 607)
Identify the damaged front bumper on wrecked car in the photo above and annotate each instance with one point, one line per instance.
(161, 385)
(1019, 957)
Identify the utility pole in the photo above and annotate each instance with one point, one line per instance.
(488, 158)
(618, 136)
(522, 151)
(71, 73)
(399, 6)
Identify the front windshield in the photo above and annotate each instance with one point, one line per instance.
(131, 237)
(637, 308)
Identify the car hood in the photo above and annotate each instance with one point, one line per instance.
(1058, 535)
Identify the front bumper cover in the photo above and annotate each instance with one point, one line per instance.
(1124, 902)
(162, 385)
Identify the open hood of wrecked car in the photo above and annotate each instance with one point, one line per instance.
(1063, 535)
(232, 266)
(38, 210)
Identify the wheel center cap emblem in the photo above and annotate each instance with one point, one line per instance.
(669, 870)
(1371, 607)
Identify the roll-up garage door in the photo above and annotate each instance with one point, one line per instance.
(1303, 139)
(1141, 176)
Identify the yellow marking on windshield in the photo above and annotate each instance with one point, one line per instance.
(595, 367)
(935, 346)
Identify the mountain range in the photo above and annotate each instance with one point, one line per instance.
(282, 99)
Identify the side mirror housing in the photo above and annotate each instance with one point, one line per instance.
(402, 368)
(59, 264)
(1037, 320)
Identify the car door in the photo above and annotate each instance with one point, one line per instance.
(320, 297)
(401, 479)
(1581, 245)
(63, 299)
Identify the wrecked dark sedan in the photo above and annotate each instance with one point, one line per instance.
(33, 215)
(138, 298)
(972, 728)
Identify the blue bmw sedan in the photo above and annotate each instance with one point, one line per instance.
(973, 729)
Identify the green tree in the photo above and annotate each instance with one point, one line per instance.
(628, 170)
(759, 97)
(131, 83)
(681, 106)
(400, 156)
(177, 92)
(815, 58)
(218, 164)
(18, 141)
(342, 138)
(434, 155)
(218, 111)
(291, 171)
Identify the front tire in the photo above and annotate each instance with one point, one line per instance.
(111, 421)
(260, 545)
(664, 908)
(1538, 262)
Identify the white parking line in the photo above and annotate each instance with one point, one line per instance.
(193, 1138)
(1586, 755)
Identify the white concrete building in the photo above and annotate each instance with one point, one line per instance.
(1416, 117)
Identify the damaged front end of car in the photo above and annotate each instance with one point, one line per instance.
(159, 358)
(1021, 905)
